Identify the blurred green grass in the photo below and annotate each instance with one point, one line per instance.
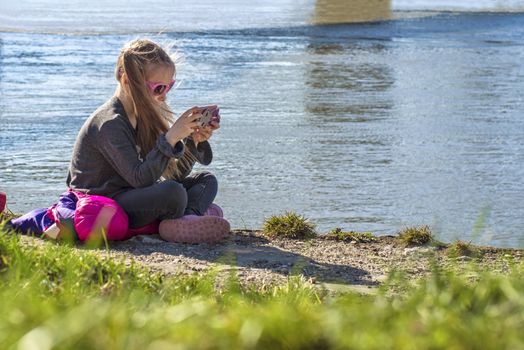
(56, 297)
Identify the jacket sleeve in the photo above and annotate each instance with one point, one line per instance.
(202, 152)
(116, 143)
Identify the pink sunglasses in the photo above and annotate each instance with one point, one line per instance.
(158, 89)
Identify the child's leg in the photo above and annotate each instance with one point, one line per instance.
(193, 227)
(201, 189)
(163, 200)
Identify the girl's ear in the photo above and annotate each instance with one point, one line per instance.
(119, 73)
(123, 77)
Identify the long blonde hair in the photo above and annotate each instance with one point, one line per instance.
(152, 119)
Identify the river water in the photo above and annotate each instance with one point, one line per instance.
(417, 119)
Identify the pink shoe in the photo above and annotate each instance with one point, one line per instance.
(3, 200)
(214, 210)
(194, 229)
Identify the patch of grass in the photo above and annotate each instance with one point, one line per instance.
(7, 215)
(350, 236)
(289, 225)
(461, 248)
(414, 236)
(59, 267)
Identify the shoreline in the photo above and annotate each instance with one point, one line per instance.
(326, 263)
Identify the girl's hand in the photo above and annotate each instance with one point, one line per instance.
(201, 134)
(184, 126)
(204, 133)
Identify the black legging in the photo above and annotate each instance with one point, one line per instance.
(169, 199)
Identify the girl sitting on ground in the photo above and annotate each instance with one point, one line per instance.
(128, 150)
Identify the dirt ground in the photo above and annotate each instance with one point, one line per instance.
(335, 265)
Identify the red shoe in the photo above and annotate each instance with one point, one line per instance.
(3, 201)
(214, 210)
(194, 229)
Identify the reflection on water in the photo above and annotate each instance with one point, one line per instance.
(350, 11)
(346, 95)
(346, 82)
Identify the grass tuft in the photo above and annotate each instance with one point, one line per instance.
(350, 236)
(289, 225)
(414, 236)
(461, 248)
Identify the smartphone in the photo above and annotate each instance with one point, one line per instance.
(209, 114)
